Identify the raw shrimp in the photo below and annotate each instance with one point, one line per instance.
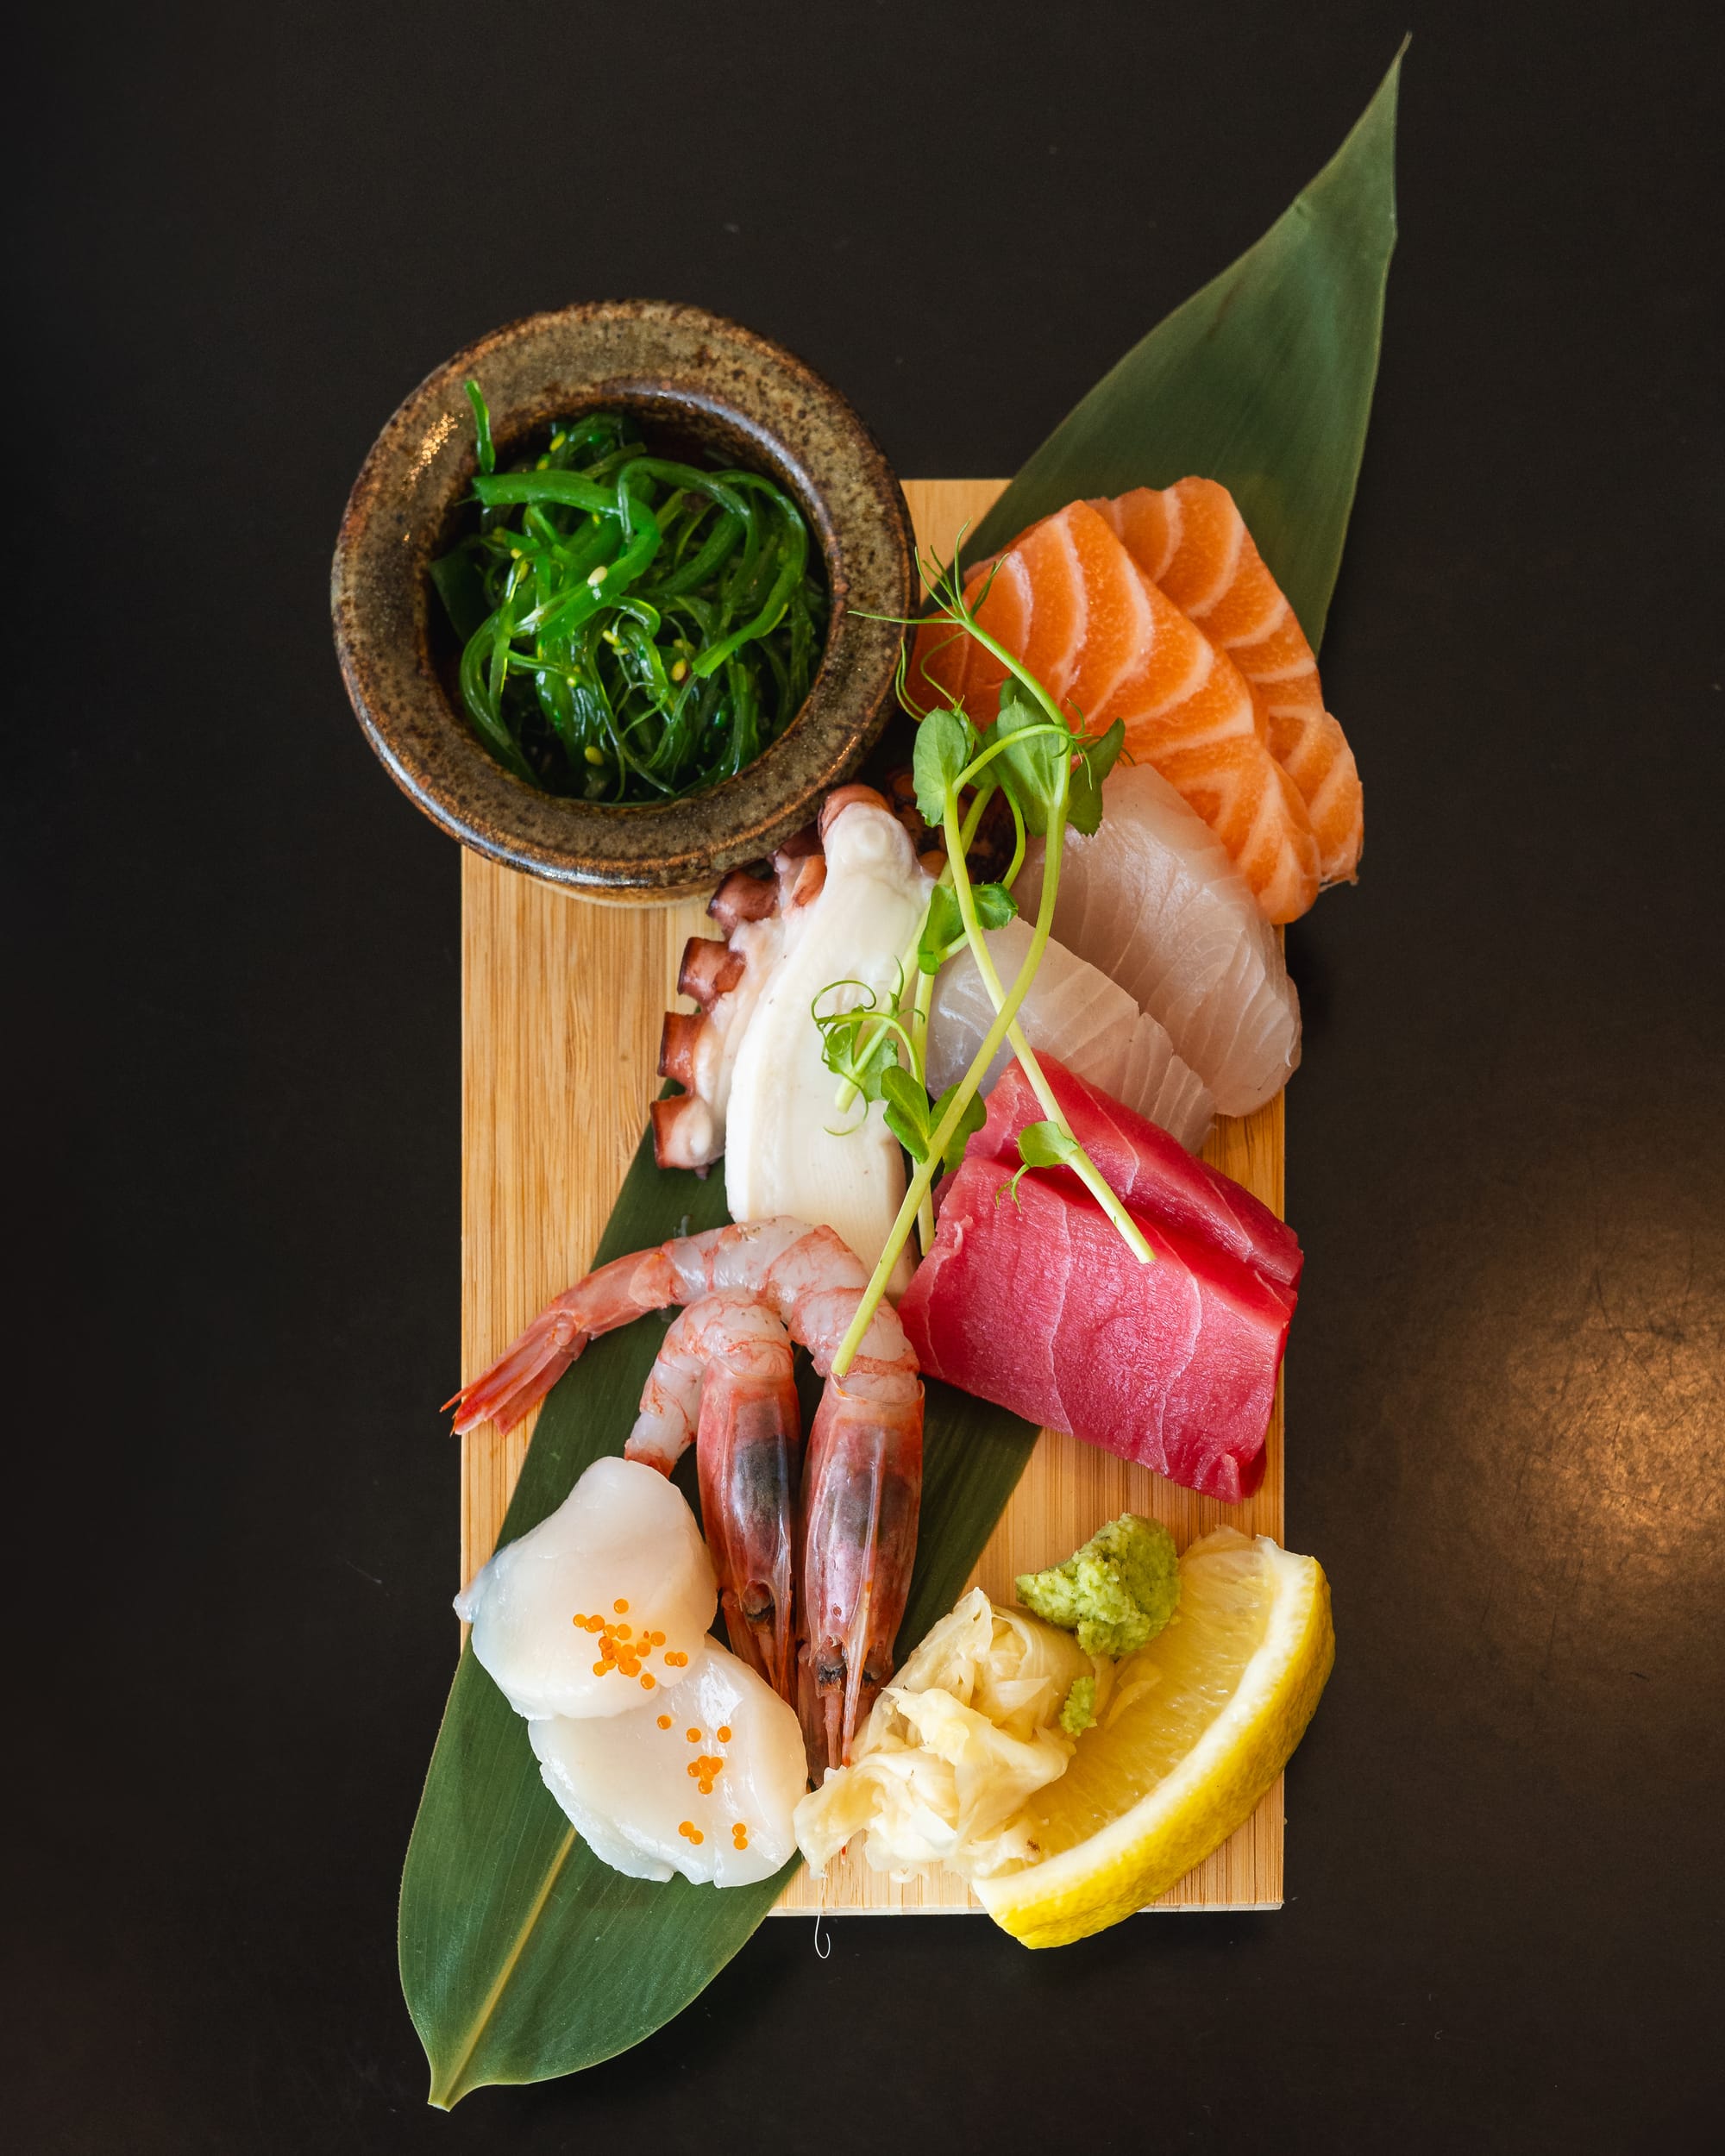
(863, 1478)
(725, 1377)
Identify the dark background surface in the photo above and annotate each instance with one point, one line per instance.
(233, 1054)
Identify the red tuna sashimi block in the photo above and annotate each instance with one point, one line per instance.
(1035, 1302)
(1152, 1172)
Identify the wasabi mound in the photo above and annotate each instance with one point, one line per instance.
(1116, 1593)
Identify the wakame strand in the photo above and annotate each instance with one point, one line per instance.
(649, 627)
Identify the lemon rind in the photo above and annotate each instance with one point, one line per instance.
(1214, 1790)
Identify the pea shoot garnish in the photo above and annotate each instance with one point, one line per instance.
(634, 627)
(1050, 773)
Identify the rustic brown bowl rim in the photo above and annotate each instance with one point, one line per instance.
(691, 369)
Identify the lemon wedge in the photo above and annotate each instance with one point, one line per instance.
(1198, 1725)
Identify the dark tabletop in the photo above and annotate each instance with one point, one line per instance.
(244, 233)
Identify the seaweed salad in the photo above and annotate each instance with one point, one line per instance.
(634, 627)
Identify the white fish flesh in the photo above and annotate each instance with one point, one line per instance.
(562, 1618)
(650, 1800)
(1074, 1012)
(1154, 901)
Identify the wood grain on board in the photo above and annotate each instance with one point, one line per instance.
(562, 1003)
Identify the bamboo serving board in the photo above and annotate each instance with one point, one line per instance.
(561, 1004)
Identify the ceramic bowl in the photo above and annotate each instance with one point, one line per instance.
(706, 381)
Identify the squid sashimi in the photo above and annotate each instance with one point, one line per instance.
(1153, 900)
(1068, 600)
(1155, 1177)
(1030, 1298)
(1192, 542)
(1098, 1030)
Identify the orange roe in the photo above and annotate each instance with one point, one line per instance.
(724, 1732)
(621, 1607)
(739, 1836)
(664, 1721)
(690, 1832)
(693, 1736)
(620, 1651)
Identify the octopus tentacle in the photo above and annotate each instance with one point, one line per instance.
(709, 969)
(742, 897)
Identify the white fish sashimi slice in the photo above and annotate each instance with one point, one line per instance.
(1164, 1087)
(625, 1782)
(1153, 900)
(1074, 1012)
(1071, 1010)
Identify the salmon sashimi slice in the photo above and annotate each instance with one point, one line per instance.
(1044, 602)
(1192, 542)
(1068, 600)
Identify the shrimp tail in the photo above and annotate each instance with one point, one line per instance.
(530, 1365)
(522, 1376)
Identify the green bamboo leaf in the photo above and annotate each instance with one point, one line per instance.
(1261, 380)
(522, 1957)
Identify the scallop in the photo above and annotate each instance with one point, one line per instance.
(601, 1608)
(705, 1782)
